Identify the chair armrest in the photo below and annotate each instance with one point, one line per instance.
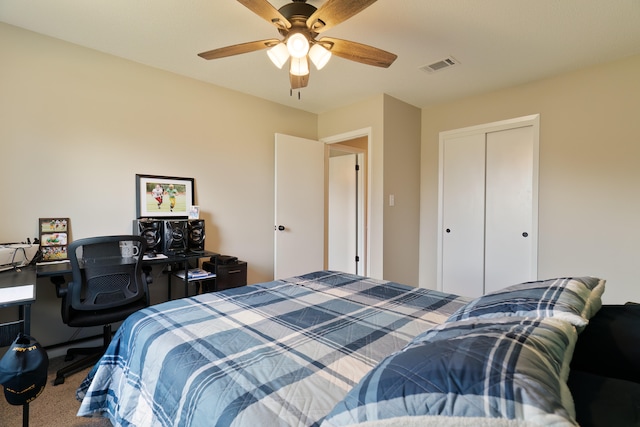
(61, 289)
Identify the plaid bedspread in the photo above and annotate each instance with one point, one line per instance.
(281, 353)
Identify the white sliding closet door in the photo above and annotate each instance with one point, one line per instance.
(463, 209)
(509, 208)
(488, 207)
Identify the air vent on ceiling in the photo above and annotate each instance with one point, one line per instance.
(447, 62)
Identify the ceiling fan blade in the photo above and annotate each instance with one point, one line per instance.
(358, 52)
(334, 12)
(298, 82)
(266, 11)
(237, 49)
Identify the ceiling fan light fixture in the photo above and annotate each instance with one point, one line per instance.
(298, 24)
(319, 55)
(299, 66)
(298, 45)
(279, 54)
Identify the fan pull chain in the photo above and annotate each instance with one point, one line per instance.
(291, 93)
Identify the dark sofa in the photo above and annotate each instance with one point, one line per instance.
(605, 369)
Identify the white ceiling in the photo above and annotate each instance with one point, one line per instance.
(498, 43)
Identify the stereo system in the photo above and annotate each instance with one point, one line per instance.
(151, 230)
(196, 234)
(175, 237)
(171, 236)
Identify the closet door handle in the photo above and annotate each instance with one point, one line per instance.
(525, 234)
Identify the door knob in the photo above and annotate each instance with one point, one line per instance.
(280, 227)
(448, 230)
(525, 234)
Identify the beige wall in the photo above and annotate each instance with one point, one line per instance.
(401, 179)
(394, 168)
(77, 125)
(589, 199)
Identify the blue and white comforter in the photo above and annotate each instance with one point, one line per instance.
(283, 353)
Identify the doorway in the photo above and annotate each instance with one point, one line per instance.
(346, 206)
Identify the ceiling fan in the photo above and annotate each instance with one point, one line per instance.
(300, 23)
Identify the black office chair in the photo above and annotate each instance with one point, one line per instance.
(105, 288)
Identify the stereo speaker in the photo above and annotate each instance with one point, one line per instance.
(196, 235)
(175, 236)
(152, 231)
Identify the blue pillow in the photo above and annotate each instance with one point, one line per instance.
(573, 299)
(510, 369)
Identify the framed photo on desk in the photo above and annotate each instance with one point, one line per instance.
(54, 238)
(163, 196)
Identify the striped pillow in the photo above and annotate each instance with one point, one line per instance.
(573, 299)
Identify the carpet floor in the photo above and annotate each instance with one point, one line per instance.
(55, 407)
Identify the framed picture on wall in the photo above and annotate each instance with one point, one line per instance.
(163, 196)
(54, 238)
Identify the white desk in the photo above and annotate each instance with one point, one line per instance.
(13, 295)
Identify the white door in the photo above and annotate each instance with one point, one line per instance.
(299, 206)
(509, 207)
(343, 233)
(488, 207)
(463, 212)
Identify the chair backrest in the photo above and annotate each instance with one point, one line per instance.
(102, 278)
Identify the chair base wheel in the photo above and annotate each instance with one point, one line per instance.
(58, 381)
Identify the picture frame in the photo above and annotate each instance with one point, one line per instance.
(54, 238)
(160, 196)
(194, 212)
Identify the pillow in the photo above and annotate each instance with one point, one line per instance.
(573, 299)
(609, 344)
(510, 368)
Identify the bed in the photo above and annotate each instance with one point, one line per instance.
(333, 349)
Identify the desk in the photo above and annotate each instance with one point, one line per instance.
(17, 288)
(55, 270)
